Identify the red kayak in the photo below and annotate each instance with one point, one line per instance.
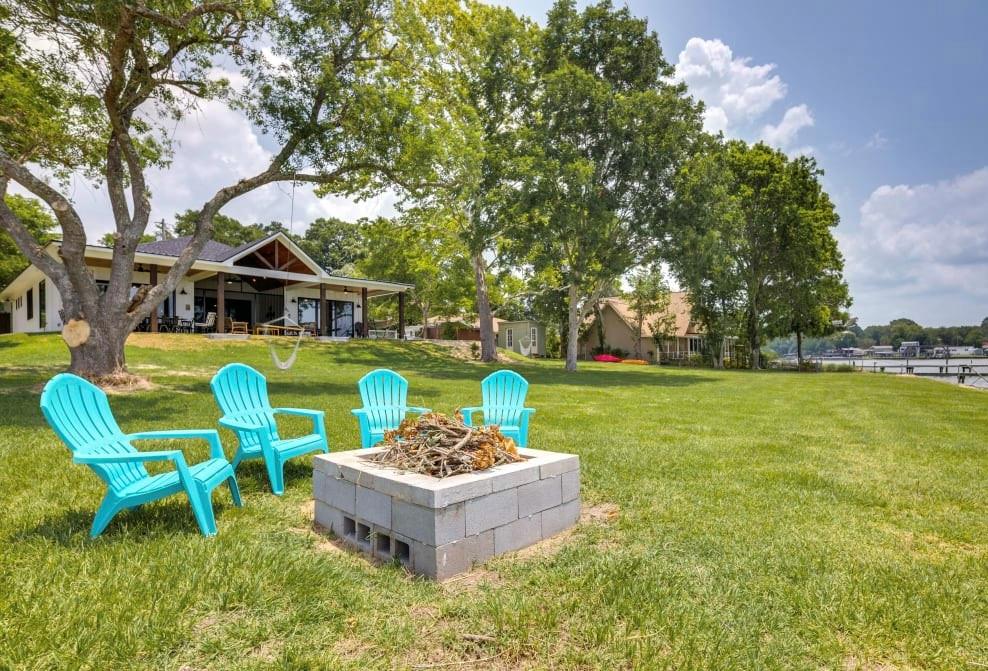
(607, 358)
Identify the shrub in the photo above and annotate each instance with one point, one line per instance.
(475, 349)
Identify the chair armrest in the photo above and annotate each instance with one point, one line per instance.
(209, 435)
(300, 411)
(359, 412)
(468, 414)
(418, 410)
(528, 411)
(238, 425)
(162, 455)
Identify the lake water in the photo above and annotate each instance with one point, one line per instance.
(972, 372)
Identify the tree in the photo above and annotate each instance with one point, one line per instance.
(226, 230)
(606, 134)
(483, 76)
(334, 244)
(109, 239)
(811, 292)
(428, 254)
(331, 84)
(649, 297)
(38, 222)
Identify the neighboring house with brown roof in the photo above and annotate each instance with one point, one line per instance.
(619, 330)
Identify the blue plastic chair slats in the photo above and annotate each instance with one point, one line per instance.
(503, 394)
(242, 395)
(80, 415)
(384, 394)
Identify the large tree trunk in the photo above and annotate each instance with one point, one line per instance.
(102, 355)
(573, 328)
(488, 345)
(599, 323)
(799, 349)
(754, 342)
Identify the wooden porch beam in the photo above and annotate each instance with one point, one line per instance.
(220, 302)
(154, 312)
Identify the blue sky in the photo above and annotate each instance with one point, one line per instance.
(890, 97)
(898, 97)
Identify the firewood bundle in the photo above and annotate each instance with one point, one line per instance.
(440, 446)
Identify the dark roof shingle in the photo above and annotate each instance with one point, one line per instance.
(213, 251)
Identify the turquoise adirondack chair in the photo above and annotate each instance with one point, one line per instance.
(385, 397)
(80, 414)
(503, 394)
(242, 394)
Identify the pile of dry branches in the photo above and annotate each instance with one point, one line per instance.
(440, 446)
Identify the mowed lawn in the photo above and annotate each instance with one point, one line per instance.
(766, 520)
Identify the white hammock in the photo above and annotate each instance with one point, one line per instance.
(290, 361)
(525, 345)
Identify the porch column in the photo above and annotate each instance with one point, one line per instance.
(401, 315)
(365, 327)
(154, 312)
(220, 302)
(323, 312)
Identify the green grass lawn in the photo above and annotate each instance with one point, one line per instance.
(766, 520)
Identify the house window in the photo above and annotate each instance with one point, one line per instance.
(42, 311)
(308, 313)
(30, 304)
(341, 319)
(534, 335)
(509, 339)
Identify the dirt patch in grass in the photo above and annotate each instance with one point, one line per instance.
(122, 383)
(461, 350)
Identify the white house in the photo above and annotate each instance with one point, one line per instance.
(254, 283)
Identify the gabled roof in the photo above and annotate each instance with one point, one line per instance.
(679, 306)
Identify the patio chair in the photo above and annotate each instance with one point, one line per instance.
(242, 395)
(80, 414)
(236, 327)
(385, 397)
(205, 326)
(503, 394)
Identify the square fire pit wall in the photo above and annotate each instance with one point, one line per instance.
(441, 527)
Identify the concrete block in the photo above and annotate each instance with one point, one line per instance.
(518, 534)
(490, 511)
(560, 518)
(458, 488)
(321, 463)
(426, 525)
(374, 506)
(318, 483)
(510, 476)
(559, 464)
(356, 475)
(410, 487)
(340, 494)
(329, 518)
(459, 556)
(571, 485)
(538, 496)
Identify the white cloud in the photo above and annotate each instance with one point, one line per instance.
(782, 134)
(925, 240)
(734, 91)
(737, 94)
(876, 141)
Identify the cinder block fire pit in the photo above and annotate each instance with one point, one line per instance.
(441, 527)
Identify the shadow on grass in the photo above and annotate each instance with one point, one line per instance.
(173, 515)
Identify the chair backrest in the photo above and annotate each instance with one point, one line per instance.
(385, 397)
(242, 393)
(504, 394)
(211, 319)
(80, 414)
